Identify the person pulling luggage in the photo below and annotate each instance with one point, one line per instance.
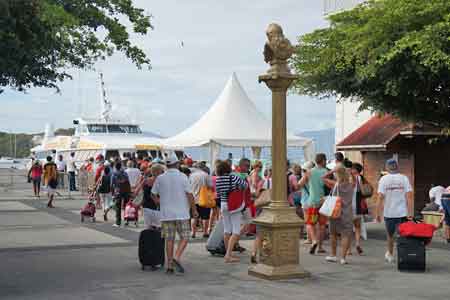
(174, 194)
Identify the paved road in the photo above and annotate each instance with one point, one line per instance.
(49, 254)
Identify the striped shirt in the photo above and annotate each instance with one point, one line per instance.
(228, 183)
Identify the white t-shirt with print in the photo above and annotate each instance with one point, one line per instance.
(394, 188)
(172, 187)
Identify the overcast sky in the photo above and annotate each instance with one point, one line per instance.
(220, 37)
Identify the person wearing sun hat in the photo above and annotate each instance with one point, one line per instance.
(395, 203)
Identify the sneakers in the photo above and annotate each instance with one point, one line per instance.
(343, 261)
(331, 259)
(115, 225)
(313, 248)
(389, 258)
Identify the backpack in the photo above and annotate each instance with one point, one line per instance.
(123, 183)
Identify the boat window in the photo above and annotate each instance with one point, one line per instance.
(97, 128)
(133, 129)
(116, 129)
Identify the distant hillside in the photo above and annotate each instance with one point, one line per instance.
(323, 139)
(8, 142)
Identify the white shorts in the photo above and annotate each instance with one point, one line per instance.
(152, 218)
(231, 222)
(246, 217)
(107, 200)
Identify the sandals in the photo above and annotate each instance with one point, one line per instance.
(232, 260)
(359, 250)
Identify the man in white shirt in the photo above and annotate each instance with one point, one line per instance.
(71, 168)
(134, 174)
(435, 194)
(174, 194)
(395, 202)
(61, 166)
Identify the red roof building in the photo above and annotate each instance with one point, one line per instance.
(424, 161)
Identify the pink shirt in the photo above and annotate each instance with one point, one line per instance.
(36, 171)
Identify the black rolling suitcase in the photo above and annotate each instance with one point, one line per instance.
(411, 254)
(151, 249)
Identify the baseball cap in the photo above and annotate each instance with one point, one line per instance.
(392, 165)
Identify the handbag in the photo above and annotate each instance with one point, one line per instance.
(263, 199)
(235, 199)
(206, 197)
(366, 188)
(332, 207)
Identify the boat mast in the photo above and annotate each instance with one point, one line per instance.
(105, 104)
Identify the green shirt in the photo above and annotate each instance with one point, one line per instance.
(316, 187)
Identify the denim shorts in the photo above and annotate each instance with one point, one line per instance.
(446, 207)
(392, 224)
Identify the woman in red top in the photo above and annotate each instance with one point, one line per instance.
(35, 174)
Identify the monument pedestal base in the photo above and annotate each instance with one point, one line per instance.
(279, 258)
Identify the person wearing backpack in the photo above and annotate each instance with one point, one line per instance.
(121, 189)
(50, 180)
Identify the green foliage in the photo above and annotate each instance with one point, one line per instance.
(23, 142)
(40, 39)
(393, 56)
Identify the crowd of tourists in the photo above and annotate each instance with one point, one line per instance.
(175, 197)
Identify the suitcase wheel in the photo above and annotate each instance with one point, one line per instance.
(82, 218)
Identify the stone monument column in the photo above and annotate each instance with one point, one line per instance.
(279, 224)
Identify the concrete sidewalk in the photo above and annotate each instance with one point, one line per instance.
(49, 254)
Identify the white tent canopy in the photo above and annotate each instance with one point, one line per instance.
(233, 121)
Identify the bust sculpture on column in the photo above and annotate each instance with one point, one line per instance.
(277, 50)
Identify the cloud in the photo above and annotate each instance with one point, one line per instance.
(219, 38)
(157, 113)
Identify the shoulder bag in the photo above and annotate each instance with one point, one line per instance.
(332, 207)
(235, 198)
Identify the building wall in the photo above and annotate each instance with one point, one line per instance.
(332, 6)
(374, 164)
(432, 167)
(348, 119)
(424, 163)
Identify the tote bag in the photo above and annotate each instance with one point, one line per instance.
(332, 207)
(206, 197)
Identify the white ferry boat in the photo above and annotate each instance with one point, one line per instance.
(104, 135)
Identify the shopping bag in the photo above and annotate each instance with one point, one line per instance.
(332, 207)
(206, 197)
